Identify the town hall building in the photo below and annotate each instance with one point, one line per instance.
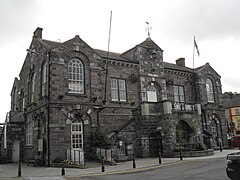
(74, 102)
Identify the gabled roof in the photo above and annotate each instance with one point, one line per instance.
(201, 68)
(148, 43)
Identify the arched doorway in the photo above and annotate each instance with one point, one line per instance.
(184, 133)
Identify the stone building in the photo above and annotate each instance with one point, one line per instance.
(73, 100)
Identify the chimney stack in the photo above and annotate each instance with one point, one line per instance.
(180, 62)
(38, 33)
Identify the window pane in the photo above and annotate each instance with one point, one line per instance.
(76, 76)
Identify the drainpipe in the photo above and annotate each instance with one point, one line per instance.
(48, 112)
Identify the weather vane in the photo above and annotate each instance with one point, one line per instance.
(148, 29)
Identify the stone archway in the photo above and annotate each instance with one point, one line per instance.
(184, 132)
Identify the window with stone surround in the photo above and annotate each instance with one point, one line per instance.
(77, 136)
(76, 76)
(44, 79)
(179, 95)
(210, 92)
(118, 90)
(29, 132)
(32, 88)
(151, 93)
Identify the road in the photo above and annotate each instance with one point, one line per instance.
(205, 169)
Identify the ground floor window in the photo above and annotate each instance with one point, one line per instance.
(77, 136)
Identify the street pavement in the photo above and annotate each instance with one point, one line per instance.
(11, 170)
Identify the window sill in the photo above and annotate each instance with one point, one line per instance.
(75, 94)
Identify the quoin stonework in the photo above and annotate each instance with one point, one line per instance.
(73, 102)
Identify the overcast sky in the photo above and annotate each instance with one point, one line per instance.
(215, 23)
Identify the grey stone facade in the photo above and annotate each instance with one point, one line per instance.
(146, 122)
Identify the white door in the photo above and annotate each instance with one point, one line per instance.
(15, 151)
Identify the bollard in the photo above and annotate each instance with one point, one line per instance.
(220, 146)
(63, 171)
(103, 168)
(134, 163)
(159, 158)
(180, 154)
(19, 170)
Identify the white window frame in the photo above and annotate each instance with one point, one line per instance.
(32, 93)
(29, 133)
(77, 136)
(44, 78)
(210, 91)
(151, 93)
(76, 76)
(179, 94)
(118, 90)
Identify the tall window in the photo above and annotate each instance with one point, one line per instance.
(179, 95)
(77, 136)
(32, 87)
(151, 94)
(44, 79)
(22, 101)
(118, 90)
(209, 88)
(14, 99)
(75, 76)
(29, 132)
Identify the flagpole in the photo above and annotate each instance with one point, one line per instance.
(109, 35)
(193, 49)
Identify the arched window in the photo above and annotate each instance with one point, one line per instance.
(151, 93)
(44, 79)
(210, 92)
(75, 76)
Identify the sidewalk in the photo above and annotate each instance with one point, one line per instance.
(10, 171)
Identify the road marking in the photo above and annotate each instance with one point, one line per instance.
(127, 171)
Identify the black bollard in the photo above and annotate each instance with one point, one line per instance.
(159, 158)
(134, 163)
(181, 154)
(19, 170)
(103, 167)
(220, 147)
(63, 171)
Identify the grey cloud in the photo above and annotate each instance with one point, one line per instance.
(16, 17)
(209, 19)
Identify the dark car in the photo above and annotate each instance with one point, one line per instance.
(233, 166)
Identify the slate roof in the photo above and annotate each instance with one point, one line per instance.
(177, 67)
(234, 102)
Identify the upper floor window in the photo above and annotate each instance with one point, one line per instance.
(76, 76)
(237, 112)
(151, 94)
(32, 87)
(118, 90)
(44, 79)
(210, 92)
(14, 99)
(179, 95)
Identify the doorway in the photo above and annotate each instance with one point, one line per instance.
(15, 151)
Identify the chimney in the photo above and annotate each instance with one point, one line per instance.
(180, 62)
(38, 33)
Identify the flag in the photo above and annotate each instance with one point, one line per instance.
(196, 46)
